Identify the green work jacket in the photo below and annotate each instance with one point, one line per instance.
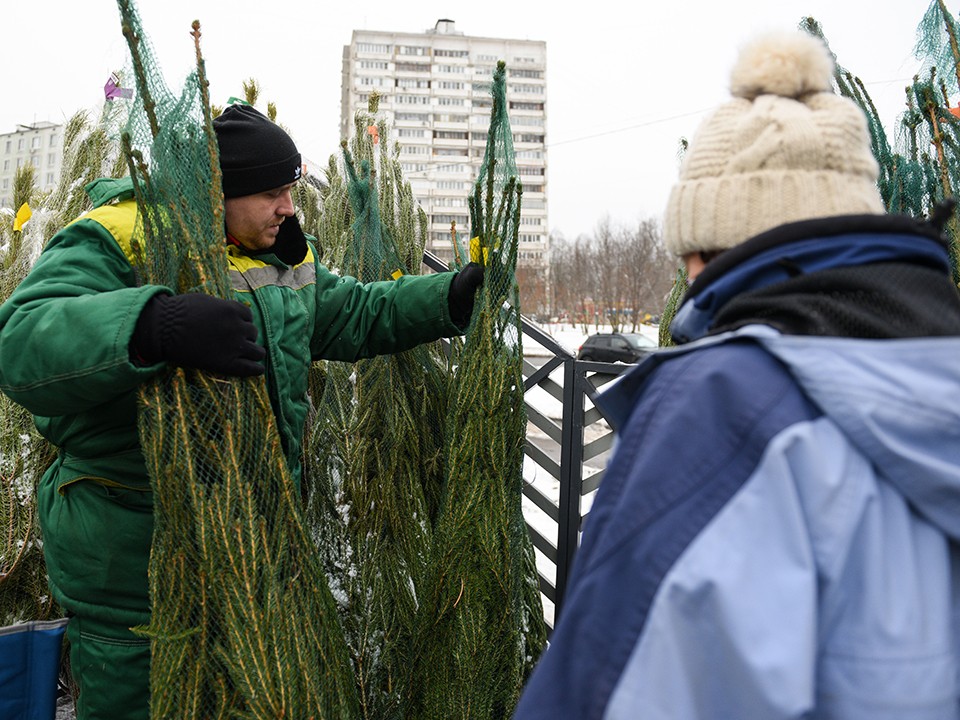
(65, 355)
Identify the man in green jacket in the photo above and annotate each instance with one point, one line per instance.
(81, 333)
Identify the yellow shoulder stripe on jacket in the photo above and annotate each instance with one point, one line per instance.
(243, 262)
(119, 220)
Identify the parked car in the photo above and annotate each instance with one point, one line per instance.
(616, 347)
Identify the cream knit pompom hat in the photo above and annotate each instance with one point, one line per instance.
(786, 148)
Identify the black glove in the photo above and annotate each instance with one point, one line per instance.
(199, 331)
(462, 291)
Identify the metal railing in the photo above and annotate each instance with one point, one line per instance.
(569, 450)
(582, 440)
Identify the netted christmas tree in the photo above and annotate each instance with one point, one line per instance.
(242, 623)
(920, 166)
(375, 451)
(481, 626)
(386, 451)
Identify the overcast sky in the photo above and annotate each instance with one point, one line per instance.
(625, 80)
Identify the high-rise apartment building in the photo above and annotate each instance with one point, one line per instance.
(434, 87)
(40, 145)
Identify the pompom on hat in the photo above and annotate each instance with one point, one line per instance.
(785, 149)
(256, 154)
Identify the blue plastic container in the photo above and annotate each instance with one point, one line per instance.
(29, 663)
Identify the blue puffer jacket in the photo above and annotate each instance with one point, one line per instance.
(776, 534)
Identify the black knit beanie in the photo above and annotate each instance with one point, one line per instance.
(255, 153)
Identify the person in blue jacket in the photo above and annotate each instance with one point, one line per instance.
(777, 532)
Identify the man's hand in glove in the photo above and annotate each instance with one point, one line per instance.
(198, 331)
(463, 289)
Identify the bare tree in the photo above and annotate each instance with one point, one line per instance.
(617, 276)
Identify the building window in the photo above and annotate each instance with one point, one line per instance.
(414, 117)
(9, 145)
(450, 152)
(412, 67)
(451, 85)
(374, 81)
(411, 50)
(52, 159)
(450, 101)
(448, 219)
(6, 183)
(529, 155)
(525, 120)
(452, 185)
(525, 105)
(524, 170)
(451, 68)
(450, 53)
(415, 149)
(50, 179)
(528, 138)
(530, 221)
(450, 202)
(528, 238)
(413, 99)
(533, 188)
(36, 142)
(527, 89)
(444, 117)
(21, 144)
(6, 166)
(53, 140)
(413, 83)
(533, 74)
(35, 161)
(380, 48)
(487, 58)
(450, 134)
(374, 64)
(411, 132)
(521, 60)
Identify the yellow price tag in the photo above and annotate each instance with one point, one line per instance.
(475, 251)
(397, 274)
(23, 214)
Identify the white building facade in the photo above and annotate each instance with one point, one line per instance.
(40, 145)
(435, 91)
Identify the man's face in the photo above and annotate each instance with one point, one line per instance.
(254, 220)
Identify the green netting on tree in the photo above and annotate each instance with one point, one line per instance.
(375, 451)
(243, 623)
(920, 169)
(481, 626)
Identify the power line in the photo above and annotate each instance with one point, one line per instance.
(629, 127)
(677, 117)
